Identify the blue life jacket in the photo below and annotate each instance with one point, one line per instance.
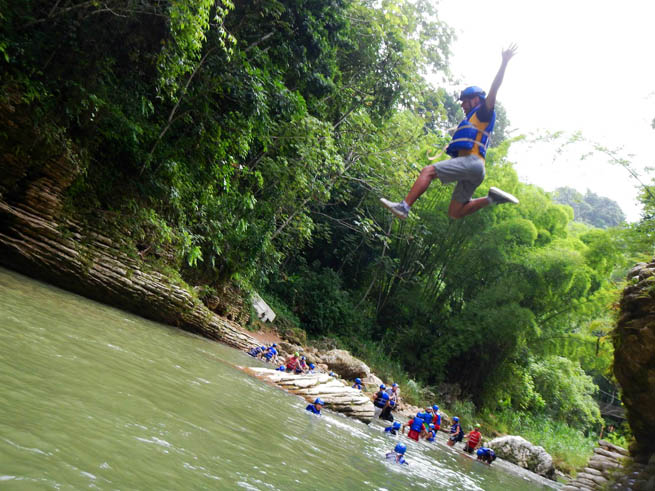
(269, 354)
(417, 424)
(380, 399)
(313, 409)
(357, 386)
(438, 421)
(454, 428)
(467, 134)
(427, 418)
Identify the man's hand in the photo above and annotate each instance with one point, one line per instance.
(509, 52)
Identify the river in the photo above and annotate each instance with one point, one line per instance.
(96, 398)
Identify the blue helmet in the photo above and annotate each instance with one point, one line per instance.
(456, 419)
(400, 448)
(274, 345)
(431, 426)
(419, 415)
(383, 386)
(396, 425)
(358, 380)
(472, 91)
(319, 401)
(312, 366)
(435, 407)
(394, 384)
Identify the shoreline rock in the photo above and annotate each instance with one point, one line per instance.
(337, 396)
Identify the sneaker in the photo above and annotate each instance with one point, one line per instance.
(396, 208)
(496, 196)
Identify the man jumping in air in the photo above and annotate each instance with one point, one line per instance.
(468, 148)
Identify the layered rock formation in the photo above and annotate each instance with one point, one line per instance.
(337, 396)
(634, 357)
(607, 460)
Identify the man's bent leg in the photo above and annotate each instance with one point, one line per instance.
(459, 210)
(423, 181)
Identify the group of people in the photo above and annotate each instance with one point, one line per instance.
(293, 364)
(426, 424)
(266, 353)
(297, 364)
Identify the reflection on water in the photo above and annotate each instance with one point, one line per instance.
(93, 397)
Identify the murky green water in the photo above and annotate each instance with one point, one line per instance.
(93, 397)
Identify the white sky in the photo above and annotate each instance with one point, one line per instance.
(581, 65)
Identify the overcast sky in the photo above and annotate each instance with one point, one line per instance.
(582, 65)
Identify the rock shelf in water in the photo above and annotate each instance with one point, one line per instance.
(337, 396)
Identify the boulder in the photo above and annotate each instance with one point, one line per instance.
(337, 396)
(524, 454)
(372, 382)
(345, 364)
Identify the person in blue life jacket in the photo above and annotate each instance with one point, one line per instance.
(427, 416)
(312, 369)
(436, 420)
(398, 454)
(256, 351)
(416, 427)
(316, 407)
(393, 429)
(432, 433)
(358, 384)
(486, 455)
(456, 432)
(468, 149)
(380, 400)
(271, 353)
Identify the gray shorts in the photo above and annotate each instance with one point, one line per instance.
(467, 171)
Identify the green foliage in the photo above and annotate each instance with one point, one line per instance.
(590, 208)
(568, 390)
(568, 446)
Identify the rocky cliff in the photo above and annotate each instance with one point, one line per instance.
(634, 357)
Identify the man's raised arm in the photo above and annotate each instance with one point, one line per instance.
(490, 101)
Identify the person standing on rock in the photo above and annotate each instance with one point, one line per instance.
(467, 148)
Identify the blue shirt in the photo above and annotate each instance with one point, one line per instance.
(312, 408)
